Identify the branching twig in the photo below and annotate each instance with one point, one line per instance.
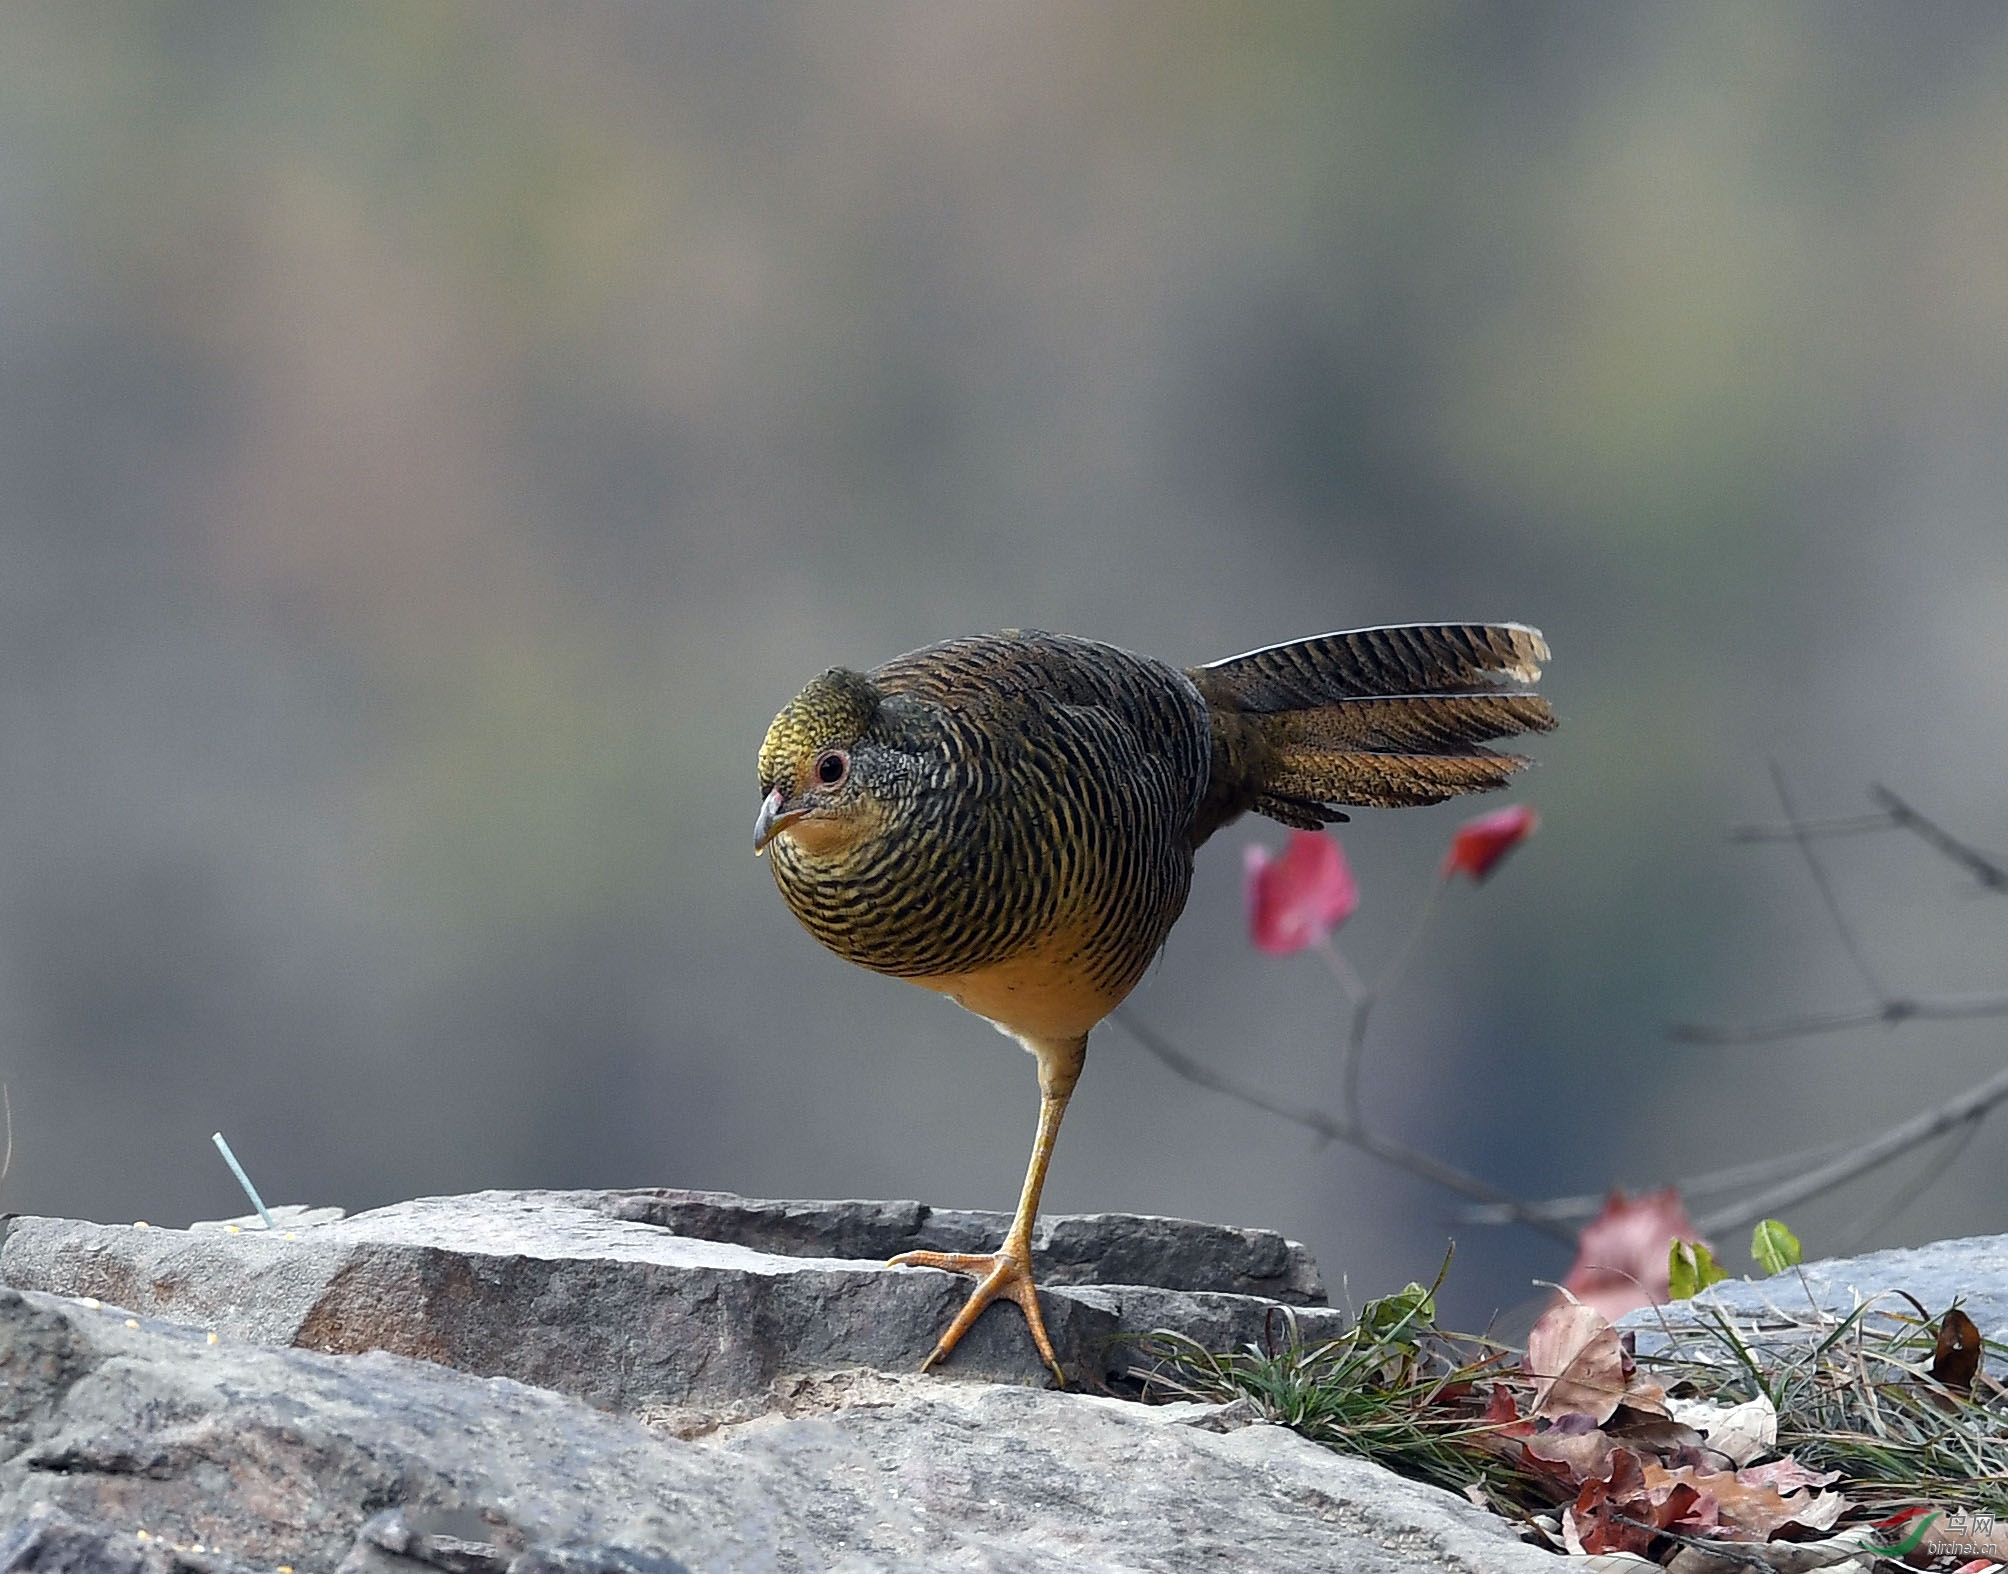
(1896, 814)
(1947, 1155)
(1360, 1005)
(1786, 1179)
(1971, 1105)
(1806, 1175)
(1832, 902)
(1887, 1008)
(1988, 871)
(1363, 1004)
(1335, 1129)
(1712, 1183)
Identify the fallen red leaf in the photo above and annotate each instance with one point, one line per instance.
(1751, 1507)
(1503, 1412)
(1621, 1254)
(1626, 1514)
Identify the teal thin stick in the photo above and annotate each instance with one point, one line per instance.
(243, 1180)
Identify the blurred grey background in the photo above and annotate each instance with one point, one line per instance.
(435, 439)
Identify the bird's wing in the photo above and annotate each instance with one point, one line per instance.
(1110, 713)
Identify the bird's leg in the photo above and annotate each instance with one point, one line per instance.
(1008, 1270)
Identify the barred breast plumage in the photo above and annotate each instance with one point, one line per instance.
(1039, 794)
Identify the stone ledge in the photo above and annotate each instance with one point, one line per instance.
(1972, 1271)
(561, 1291)
(1076, 1248)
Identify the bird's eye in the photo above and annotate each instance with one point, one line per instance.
(832, 767)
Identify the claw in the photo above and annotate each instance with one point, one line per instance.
(999, 1274)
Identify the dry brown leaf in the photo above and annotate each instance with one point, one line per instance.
(1643, 1394)
(1576, 1361)
(1752, 1507)
(1786, 1475)
(1649, 1431)
(1578, 1444)
(1956, 1360)
(1600, 1520)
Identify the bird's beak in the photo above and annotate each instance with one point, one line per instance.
(772, 821)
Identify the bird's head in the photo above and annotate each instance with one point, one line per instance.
(818, 767)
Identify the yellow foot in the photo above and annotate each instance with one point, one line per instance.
(1002, 1273)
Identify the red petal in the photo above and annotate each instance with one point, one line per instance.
(1296, 900)
(1480, 843)
(1621, 1253)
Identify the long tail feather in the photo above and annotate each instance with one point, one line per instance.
(1408, 659)
(1379, 718)
(1410, 724)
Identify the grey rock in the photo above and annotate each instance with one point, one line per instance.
(1080, 1248)
(264, 1456)
(400, 1542)
(1973, 1271)
(47, 1541)
(285, 1216)
(563, 1291)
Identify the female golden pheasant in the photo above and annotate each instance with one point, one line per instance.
(1011, 819)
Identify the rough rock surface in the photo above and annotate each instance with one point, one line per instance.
(232, 1456)
(1067, 1248)
(684, 1299)
(1973, 1271)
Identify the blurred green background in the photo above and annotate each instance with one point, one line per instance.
(435, 439)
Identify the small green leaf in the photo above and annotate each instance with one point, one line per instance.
(1405, 1316)
(1775, 1247)
(1690, 1268)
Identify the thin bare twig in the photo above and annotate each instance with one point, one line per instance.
(1839, 825)
(1833, 903)
(1712, 1183)
(1365, 999)
(1355, 1052)
(1897, 1008)
(1342, 970)
(7, 1107)
(1948, 1154)
(1962, 1114)
(1862, 1157)
(1988, 871)
(1888, 1009)
(1787, 1179)
(1335, 1129)
(1360, 1005)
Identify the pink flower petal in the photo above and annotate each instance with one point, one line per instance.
(1481, 842)
(1296, 900)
